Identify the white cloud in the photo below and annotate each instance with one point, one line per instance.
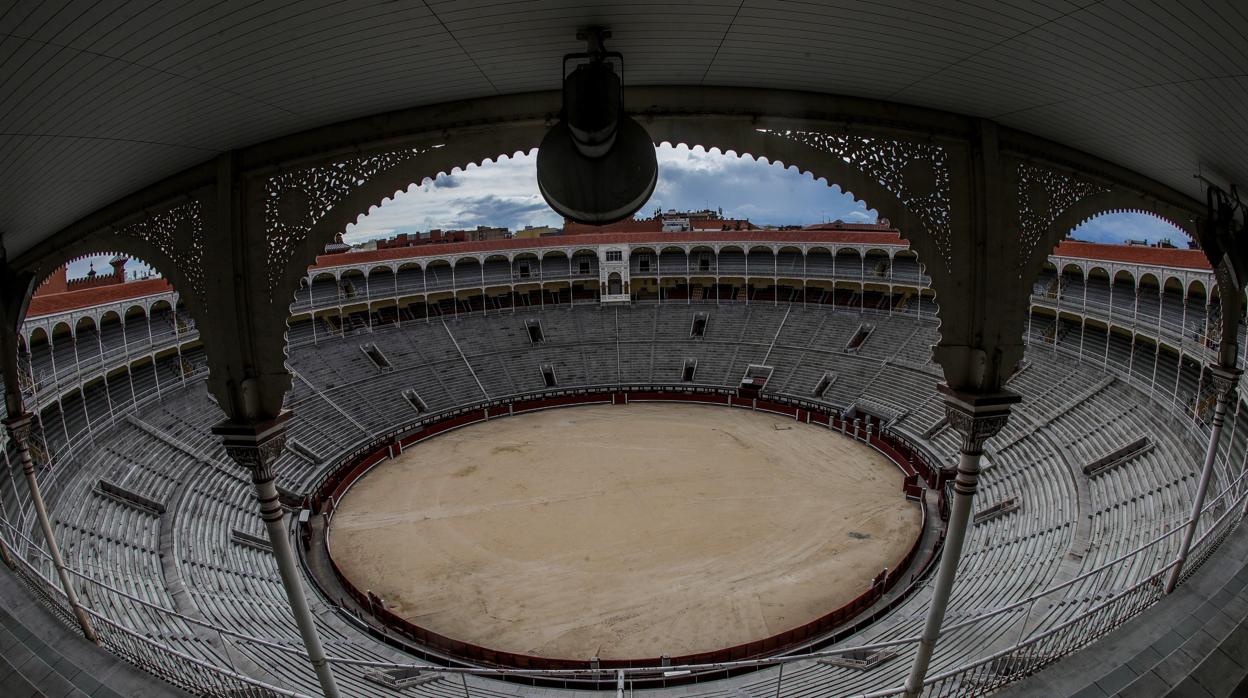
(505, 193)
(1119, 227)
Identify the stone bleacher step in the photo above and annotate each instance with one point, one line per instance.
(129, 498)
(400, 678)
(250, 540)
(995, 511)
(302, 451)
(876, 409)
(935, 428)
(1078, 399)
(160, 435)
(1022, 368)
(1118, 456)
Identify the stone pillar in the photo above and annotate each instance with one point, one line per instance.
(1224, 382)
(976, 417)
(19, 431)
(255, 446)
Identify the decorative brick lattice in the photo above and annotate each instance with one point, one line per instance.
(178, 233)
(1043, 195)
(296, 200)
(916, 173)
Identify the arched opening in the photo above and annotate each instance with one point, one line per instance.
(381, 282)
(410, 279)
(468, 272)
(496, 270)
(555, 265)
(438, 275)
(849, 262)
(877, 264)
(352, 287)
(526, 267)
(1096, 288)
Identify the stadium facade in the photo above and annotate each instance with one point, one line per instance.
(1079, 517)
(227, 146)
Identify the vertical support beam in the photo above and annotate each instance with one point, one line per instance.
(16, 288)
(1224, 380)
(18, 427)
(255, 446)
(19, 431)
(5, 555)
(975, 418)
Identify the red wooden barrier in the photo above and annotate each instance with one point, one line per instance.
(334, 485)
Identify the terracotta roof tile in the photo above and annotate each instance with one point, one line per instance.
(1134, 254)
(53, 303)
(574, 241)
(49, 304)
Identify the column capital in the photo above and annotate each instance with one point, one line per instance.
(977, 416)
(255, 445)
(1225, 380)
(19, 426)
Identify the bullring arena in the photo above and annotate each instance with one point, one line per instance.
(438, 394)
(756, 349)
(624, 531)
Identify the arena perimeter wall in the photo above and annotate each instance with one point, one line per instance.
(824, 630)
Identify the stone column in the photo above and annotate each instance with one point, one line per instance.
(976, 417)
(255, 446)
(1224, 382)
(19, 431)
(5, 555)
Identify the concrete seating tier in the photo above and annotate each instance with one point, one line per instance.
(1065, 523)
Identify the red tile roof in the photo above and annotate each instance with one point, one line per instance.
(1134, 254)
(49, 304)
(53, 303)
(655, 225)
(588, 240)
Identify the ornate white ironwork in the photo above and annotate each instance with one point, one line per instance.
(296, 200)
(1043, 195)
(177, 233)
(916, 173)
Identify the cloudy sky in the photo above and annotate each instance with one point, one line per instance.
(504, 193)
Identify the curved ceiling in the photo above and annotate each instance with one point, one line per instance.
(101, 99)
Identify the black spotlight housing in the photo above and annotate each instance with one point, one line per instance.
(597, 165)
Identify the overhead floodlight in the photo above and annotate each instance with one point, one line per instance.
(597, 165)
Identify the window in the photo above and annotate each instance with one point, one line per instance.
(374, 354)
(704, 264)
(415, 400)
(699, 326)
(534, 328)
(524, 270)
(584, 266)
(614, 255)
(825, 382)
(643, 264)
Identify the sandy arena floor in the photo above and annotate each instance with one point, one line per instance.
(624, 531)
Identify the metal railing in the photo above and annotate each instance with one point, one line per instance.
(1097, 601)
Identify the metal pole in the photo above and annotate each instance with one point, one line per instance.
(19, 430)
(964, 488)
(256, 446)
(976, 418)
(1224, 379)
(4, 514)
